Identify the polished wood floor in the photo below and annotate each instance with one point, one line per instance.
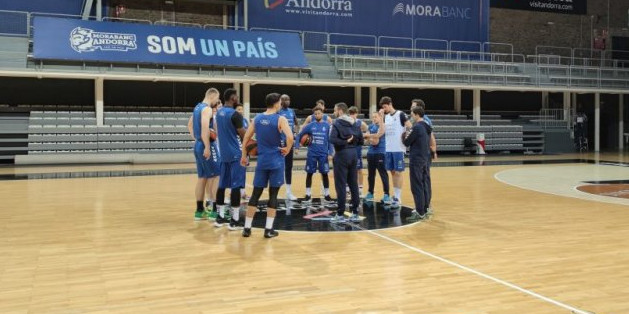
(129, 245)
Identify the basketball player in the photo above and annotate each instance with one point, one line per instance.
(205, 152)
(419, 142)
(395, 123)
(230, 131)
(268, 127)
(245, 124)
(320, 152)
(353, 112)
(289, 114)
(376, 158)
(433, 151)
(345, 136)
(320, 104)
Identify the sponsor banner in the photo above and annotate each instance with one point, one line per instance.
(554, 6)
(71, 39)
(464, 20)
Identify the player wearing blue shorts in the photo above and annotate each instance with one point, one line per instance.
(230, 132)
(269, 128)
(205, 151)
(353, 112)
(319, 153)
(396, 123)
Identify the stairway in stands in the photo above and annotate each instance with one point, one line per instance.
(13, 136)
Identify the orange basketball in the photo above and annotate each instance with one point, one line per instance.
(212, 135)
(305, 140)
(252, 148)
(404, 135)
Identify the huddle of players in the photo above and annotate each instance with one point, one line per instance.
(227, 159)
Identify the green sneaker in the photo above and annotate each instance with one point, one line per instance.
(200, 215)
(211, 215)
(414, 217)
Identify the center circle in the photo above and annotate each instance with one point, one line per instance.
(315, 216)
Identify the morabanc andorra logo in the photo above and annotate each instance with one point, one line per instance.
(87, 40)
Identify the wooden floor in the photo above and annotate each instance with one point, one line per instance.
(129, 245)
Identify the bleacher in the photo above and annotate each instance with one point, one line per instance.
(52, 132)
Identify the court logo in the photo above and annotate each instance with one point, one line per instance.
(87, 40)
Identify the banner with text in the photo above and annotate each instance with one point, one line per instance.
(553, 6)
(70, 39)
(461, 20)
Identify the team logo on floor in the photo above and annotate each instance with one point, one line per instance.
(318, 215)
(611, 190)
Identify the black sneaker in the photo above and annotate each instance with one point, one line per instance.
(246, 232)
(234, 225)
(220, 221)
(328, 199)
(269, 233)
(307, 199)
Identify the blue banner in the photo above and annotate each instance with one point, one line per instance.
(461, 20)
(69, 39)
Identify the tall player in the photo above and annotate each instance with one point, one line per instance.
(319, 154)
(396, 122)
(290, 116)
(205, 152)
(269, 128)
(230, 132)
(353, 112)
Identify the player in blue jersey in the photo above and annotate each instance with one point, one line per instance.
(270, 129)
(205, 151)
(320, 152)
(245, 124)
(319, 104)
(353, 112)
(230, 133)
(376, 158)
(290, 116)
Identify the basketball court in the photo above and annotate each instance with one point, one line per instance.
(509, 234)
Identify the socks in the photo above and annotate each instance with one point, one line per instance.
(326, 192)
(236, 213)
(199, 206)
(269, 222)
(360, 190)
(288, 190)
(243, 192)
(308, 191)
(248, 222)
(213, 206)
(221, 211)
(398, 193)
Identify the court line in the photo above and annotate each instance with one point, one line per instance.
(478, 273)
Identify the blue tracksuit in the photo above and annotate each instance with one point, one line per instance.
(418, 141)
(345, 160)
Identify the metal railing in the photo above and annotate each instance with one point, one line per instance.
(554, 118)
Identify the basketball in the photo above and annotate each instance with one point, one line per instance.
(252, 148)
(212, 135)
(405, 135)
(305, 140)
